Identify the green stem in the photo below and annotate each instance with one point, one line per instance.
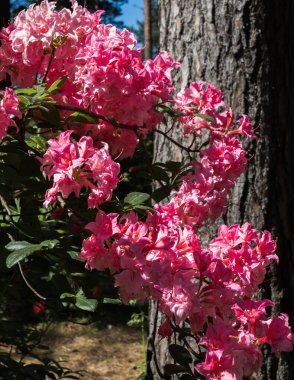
(49, 64)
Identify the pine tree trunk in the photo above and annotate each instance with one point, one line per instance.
(147, 30)
(246, 48)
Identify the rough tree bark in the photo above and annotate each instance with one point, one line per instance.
(246, 48)
(147, 30)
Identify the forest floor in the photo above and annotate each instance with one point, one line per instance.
(89, 352)
(114, 352)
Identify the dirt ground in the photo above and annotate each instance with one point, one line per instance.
(115, 352)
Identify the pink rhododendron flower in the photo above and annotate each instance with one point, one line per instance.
(199, 98)
(8, 110)
(278, 333)
(122, 142)
(251, 313)
(165, 329)
(238, 247)
(245, 127)
(217, 366)
(76, 165)
(202, 106)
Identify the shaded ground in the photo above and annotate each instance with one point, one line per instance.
(98, 353)
(114, 353)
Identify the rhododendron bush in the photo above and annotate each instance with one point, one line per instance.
(80, 101)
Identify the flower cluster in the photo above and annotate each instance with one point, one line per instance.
(8, 110)
(202, 106)
(202, 285)
(234, 353)
(204, 192)
(105, 73)
(28, 42)
(76, 165)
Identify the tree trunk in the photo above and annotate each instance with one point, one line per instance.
(147, 30)
(4, 13)
(246, 48)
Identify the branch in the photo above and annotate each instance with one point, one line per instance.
(187, 149)
(86, 112)
(28, 284)
(49, 64)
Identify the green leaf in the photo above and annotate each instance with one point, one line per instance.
(136, 198)
(81, 117)
(172, 369)
(37, 142)
(170, 111)
(143, 208)
(74, 254)
(57, 84)
(24, 101)
(113, 301)
(205, 117)
(181, 355)
(22, 249)
(49, 244)
(67, 295)
(21, 254)
(173, 166)
(161, 193)
(50, 114)
(84, 303)
(159, 174)
(16, 245)
(40, 91)
(25, 91)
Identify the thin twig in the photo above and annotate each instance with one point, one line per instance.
(49, 65)
(188, 150)
(28, 284)
(4, 204)
(84, 111)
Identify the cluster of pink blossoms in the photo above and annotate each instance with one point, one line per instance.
(8, 110)
(207, 100)
(164, 261)
(105, 73)
(76, 165)
(204, 192)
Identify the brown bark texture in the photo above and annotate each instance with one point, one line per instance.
(246, 47)
(147, 30)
